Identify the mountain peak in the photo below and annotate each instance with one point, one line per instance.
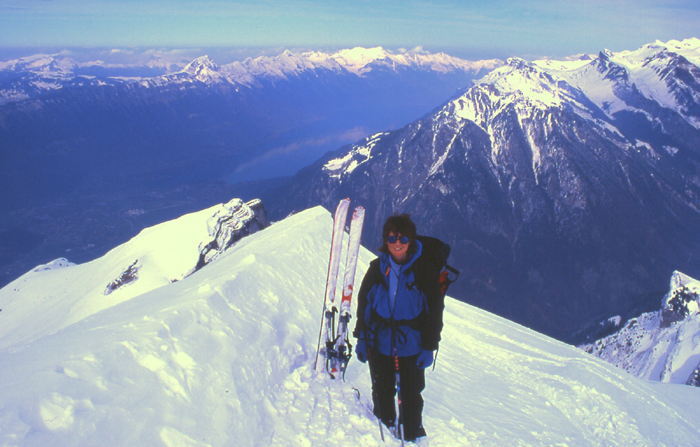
(203, 65)
(204, 69)
(517, 62)
(519, 81)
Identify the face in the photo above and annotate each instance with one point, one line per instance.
(398, 250)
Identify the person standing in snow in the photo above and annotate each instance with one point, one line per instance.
(399, 314)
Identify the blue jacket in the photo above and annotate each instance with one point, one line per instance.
(415, 321)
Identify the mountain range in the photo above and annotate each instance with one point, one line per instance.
(568, 190)
(276, 114)
(33, 76)
(93, 152)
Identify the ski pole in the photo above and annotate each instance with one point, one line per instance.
(400, 421)
(437, 351)
(397, 379)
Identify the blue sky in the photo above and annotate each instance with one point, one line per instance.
(466, 28)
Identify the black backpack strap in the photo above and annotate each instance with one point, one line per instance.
(372, 277)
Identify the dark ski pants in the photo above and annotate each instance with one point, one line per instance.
(412, 384)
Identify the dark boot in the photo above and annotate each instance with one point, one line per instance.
(414, 435)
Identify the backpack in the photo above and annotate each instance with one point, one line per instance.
(436, 253)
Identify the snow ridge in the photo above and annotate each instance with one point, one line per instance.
(224, 357)
(154, 258)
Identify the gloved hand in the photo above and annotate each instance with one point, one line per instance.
(425, 359)
(361, 350)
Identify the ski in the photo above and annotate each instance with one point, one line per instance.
(342, 349)
(328, 315)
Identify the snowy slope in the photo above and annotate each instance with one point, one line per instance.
(223, 357)
(664, 72)
(53, 296)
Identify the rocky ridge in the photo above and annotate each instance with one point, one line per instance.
(660, 345)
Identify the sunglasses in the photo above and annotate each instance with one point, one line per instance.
(393, 239)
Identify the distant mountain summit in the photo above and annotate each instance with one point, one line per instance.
(203, 69)
(358, 61)
(569, 190)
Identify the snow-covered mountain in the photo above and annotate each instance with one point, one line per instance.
(663, 73)
(33, 76)
(224, 355)
(661, 345)
(569, 190)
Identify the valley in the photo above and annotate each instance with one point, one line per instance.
(85, 224)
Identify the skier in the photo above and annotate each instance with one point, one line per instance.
(398, 325)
